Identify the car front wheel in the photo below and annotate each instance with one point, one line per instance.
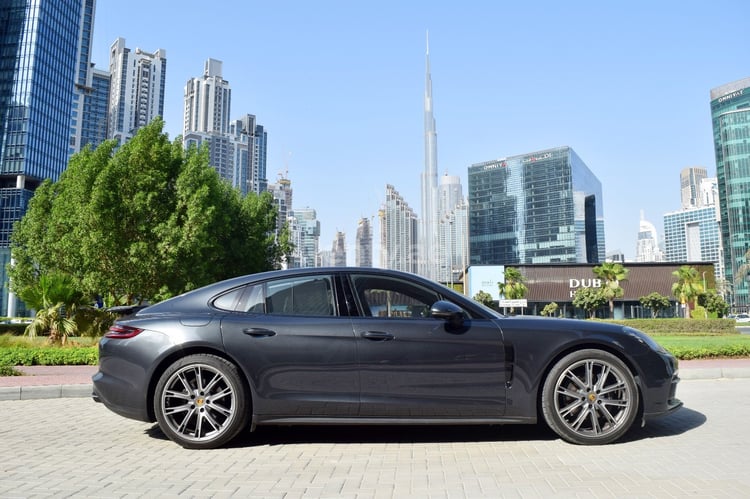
(200, 402)
(590, 397)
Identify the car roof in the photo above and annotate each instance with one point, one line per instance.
(199, 298)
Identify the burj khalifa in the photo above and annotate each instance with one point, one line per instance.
(429, 227)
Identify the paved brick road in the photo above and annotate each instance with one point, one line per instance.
(72, 447)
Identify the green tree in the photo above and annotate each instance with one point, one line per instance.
(590, 299)
(688, 286)
(550, 309)
(144, 221)
(611, 273)
(655, 302)
(484, 298)
(713, 303)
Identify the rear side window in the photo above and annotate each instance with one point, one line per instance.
(300, 296)
(311, 296)
(228, 301)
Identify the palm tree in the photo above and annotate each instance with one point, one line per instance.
(688, 287)
(56, 301)
(611, 273)
(513, 288)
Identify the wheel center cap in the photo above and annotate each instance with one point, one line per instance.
(200, 401)
(592, 397)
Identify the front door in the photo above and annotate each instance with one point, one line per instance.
(413, 365)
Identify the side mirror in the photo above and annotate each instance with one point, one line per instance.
(449, 312)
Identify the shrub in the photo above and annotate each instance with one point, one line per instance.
(49, 356)
(673, 327)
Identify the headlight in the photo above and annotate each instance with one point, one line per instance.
(643, 338)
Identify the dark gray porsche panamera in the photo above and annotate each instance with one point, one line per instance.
(370, 346)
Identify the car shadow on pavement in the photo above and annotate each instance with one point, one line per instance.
(677, 423)
(674, 424)
(375, 434)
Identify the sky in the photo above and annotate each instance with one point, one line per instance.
(339, 87)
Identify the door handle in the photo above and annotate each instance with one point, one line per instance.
(258, 332)
(378, 336)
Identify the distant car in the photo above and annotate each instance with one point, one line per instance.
(742, 318)
(371, 346)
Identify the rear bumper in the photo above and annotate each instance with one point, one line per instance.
(119, 397)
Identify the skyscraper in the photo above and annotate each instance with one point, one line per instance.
(136, 90)
(305, 233)
(452, 228)
(236, 148)
(690, 185)
(363, 248)
(542, 207)
(338, 250)
(39, 66)
(86, 87)
(398, 233)
(95, 111)
(693, 235)
(730, 115)
(647, 247)
(428, 227)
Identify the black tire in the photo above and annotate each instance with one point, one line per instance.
(590, 398)
(201, 402)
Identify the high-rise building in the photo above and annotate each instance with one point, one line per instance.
(208, 101)
(339, 249)
(40, 64)
(541, 207)
(235, 166)
(730, 114)
(95, 111)
(85, 87)
(282, 198)
(694, 236)
(690, 186)
(305, 233)
(363, 249)
(136, 90)
(454, 243)
(398, 233)
(452, 228)
(647, 247)
(258, 142)
(429, 226)
(236, 148)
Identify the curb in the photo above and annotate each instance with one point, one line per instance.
(45, 392)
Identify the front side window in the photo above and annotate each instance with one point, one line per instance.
(388, 297)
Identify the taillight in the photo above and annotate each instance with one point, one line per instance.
(121, 332)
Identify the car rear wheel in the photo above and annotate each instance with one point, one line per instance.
(200, 401)
(590, 397)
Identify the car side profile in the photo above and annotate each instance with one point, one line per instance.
(350, 345)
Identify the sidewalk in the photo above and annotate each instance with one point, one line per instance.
(75, 381)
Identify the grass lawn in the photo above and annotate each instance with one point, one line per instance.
(703, 347)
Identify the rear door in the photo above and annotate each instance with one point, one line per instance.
(413, 365)
(297, 350)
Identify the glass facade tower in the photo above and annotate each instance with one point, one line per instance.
(730, 114)
(543, 207)
(693, 236)
(39, 66)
